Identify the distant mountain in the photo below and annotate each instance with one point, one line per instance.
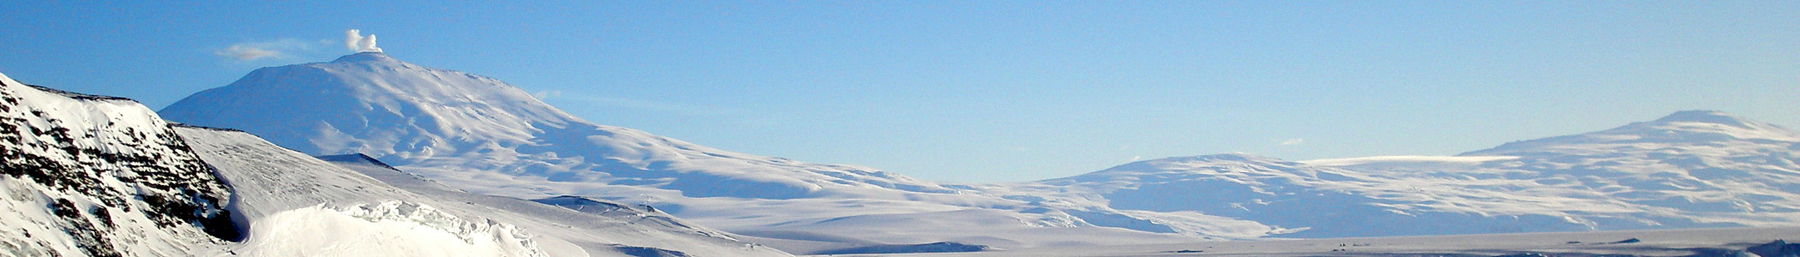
(1711, 133)
(1689, 169)
(479, 129)
(1695, 167)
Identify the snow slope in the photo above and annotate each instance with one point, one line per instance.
(295, 205)
(288, 197)
(99, 176)
(594, 225)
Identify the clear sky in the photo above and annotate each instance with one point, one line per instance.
(991, 91)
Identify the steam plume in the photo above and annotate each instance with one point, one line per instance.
(354, 40)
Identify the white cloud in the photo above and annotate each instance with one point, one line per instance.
(1293, 141)
(354, 40)
(246, 53)
(250, 51)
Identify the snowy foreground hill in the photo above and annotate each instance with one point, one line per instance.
(476, 134)
(101, 176)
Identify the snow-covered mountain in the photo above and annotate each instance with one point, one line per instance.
(104, 176)
(418, 117)
(1689, 169)
(482, 136)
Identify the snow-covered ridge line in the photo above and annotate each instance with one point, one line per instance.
(1405, 158)
(81, 96)
(185, 125)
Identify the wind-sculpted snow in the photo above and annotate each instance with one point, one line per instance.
(91, 175)
(391, 228)
(295, 205)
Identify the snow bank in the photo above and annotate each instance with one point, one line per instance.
(388, 229)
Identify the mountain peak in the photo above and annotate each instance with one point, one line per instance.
(1225, 157)
(1199, 160)
(1692, 127)
(1715, 122)
(365, 57)
(1705, 116)
(371, 103)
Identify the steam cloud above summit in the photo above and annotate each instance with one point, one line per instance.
(354, 40)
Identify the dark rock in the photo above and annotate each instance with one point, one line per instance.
(938, 247)
(1778, 248)
(649, 252)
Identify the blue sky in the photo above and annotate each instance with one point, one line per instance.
(990, 91)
